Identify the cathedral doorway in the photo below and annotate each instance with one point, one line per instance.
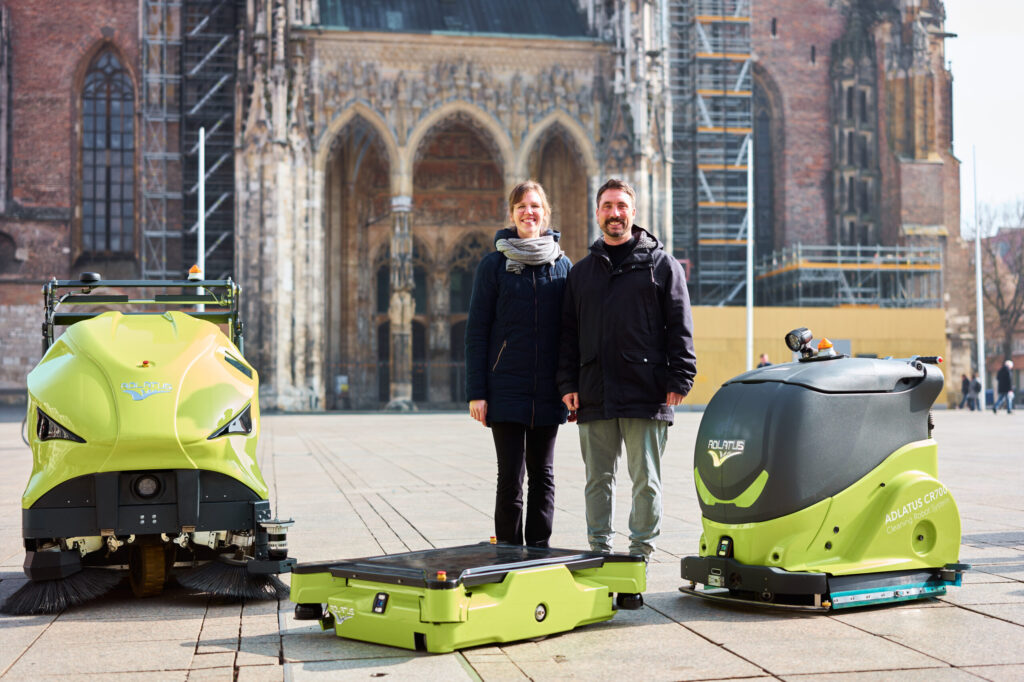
(357, 232)
(556, 164)
(458, 204)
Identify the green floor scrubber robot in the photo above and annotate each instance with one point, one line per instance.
(143, 428)
(817, 482)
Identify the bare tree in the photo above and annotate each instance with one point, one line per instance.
(1002, 262)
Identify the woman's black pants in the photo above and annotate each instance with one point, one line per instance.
(520, 450)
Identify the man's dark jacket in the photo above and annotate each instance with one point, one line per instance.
(1003, 383)
(512, 339)
(627, 333)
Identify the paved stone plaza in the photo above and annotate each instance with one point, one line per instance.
(367, 484)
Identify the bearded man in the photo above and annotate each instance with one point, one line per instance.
(626, 361)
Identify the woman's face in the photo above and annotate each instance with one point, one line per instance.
(528, 215)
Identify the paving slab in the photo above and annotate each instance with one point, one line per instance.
(642, 644)
(786, 643)
(18, 635)
(51, 658)
(129, 630)
(998, 673)
(325, 646)
(223, 674)
(218, 661)
(159, 676)
(955, 636)
(259, 650)
(1011, 613)
(260, 673)
(1002, 591)
(402, 669)
(919, 675)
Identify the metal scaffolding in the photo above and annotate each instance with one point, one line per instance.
(684, 129)
(713, 104)
(161, 132)
(208, 67)
(188, 82)
(881, 276)
(724, 127)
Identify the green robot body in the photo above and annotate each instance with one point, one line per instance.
(143, 392)
(818, 480)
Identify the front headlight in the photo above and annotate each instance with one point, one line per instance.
(147, 486)
(48, 429)
(240, 424)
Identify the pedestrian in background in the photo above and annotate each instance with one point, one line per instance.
(974, 394)
(765, 362)
(965, 390)
(1004, 385)
(627, 360)
(511, 360)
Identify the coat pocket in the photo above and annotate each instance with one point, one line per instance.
(644, 376)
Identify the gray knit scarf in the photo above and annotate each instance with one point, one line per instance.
(523, 252)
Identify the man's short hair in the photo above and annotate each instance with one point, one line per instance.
(615, 183)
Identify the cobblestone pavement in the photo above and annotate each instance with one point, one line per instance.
(367, 484)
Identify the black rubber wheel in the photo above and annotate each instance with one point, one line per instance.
(629, 602)
(147, 569)
(309, 611)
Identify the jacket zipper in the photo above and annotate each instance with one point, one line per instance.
(498, 359)
(536, 348)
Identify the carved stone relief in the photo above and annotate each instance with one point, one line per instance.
(405, 96)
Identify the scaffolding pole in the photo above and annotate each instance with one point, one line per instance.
(712, 98)
(161, 128)
(208, 104)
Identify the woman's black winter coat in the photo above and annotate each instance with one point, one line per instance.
(512, 338)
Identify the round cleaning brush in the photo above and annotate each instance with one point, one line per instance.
(228, 577)
(53, 596)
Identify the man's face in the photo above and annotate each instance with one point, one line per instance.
(615, 212)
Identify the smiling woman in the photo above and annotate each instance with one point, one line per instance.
(511, 358)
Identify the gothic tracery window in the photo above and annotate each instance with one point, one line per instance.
(108, 158)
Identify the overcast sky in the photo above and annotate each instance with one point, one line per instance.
(988, 94)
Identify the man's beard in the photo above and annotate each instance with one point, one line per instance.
(615, 223)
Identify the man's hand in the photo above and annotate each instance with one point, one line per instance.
(478, 410)
(572, 401)
(674, 398)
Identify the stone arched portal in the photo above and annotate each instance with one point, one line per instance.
(557, 165)
(357, 233)
(458, 204)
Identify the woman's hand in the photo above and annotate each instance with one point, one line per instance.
(478, 410)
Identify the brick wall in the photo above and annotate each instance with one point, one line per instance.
(49, 49)
(21, 343)
(806, 92)
(49, 54)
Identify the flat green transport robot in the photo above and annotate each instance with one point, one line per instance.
(143, 423)
(440, 600)
(818, 485)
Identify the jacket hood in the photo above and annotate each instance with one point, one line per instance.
(511, 233)
(644, 240)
